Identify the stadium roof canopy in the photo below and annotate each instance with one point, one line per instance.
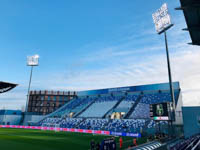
(5, 86)
(191, 10)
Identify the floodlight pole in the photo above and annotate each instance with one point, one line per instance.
(169, 72)
(170, 84)
(29, 89)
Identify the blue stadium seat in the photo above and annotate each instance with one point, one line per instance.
(101, 106)
(91, 118)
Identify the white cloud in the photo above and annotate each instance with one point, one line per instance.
(185, 60)
(184, 63)
(14, 99)
(185, 68)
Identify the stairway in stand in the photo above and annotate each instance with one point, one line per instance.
(115, 106)
(133, 107)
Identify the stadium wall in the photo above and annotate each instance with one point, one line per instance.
(139, 88)
(191, 120)
(10, 119)
(178, 114)
(29, 119)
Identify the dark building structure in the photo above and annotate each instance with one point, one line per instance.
(5, 86)
(191, 11)
(45, 102)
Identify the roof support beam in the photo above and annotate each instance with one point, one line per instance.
(188, 7)
(192, 28)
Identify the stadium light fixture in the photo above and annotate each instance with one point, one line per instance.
(31, 61)
(162, 23)
(162, 19)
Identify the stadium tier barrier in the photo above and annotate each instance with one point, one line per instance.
(136, 135)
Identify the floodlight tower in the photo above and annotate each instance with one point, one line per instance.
(162, 22)
(31, 61)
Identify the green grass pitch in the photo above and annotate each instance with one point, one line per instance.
(26, 139)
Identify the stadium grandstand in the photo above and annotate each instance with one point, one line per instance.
(123, 109)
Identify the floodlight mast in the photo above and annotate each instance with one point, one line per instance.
(31, 61)
(170, 75)
(162, 22)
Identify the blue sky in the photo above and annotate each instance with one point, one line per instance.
(91, 44)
